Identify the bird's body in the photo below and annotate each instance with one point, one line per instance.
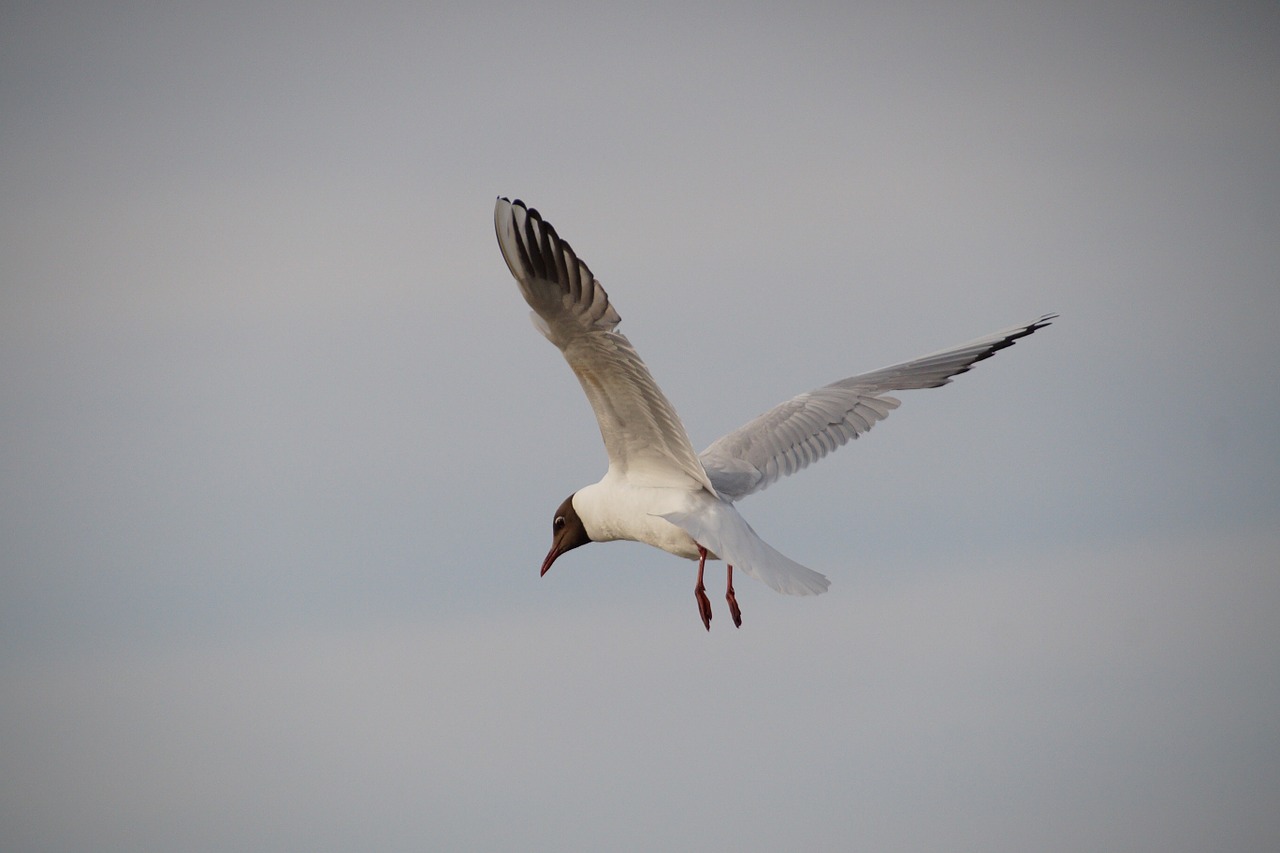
(614, 509)
(657, 490)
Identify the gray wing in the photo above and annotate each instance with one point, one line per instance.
(643, 436)
(808, 427)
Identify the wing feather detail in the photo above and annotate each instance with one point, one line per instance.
(643, 435)
(794, 434)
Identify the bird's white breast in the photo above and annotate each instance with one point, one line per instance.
(614, 509)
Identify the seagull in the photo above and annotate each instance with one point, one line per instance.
(657, 490)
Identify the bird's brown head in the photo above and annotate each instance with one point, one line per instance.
(567, 532)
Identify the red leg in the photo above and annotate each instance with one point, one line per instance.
(700, 591)
(733, 602)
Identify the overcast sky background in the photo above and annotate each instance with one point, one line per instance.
(281, 449)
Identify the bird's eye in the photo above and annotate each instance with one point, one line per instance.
(558, 523)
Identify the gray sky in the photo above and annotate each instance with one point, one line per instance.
(281, 447)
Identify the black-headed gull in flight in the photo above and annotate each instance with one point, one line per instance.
(657, 490)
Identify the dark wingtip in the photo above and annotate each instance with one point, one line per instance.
(1008, 341)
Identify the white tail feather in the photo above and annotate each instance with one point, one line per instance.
(720, 529)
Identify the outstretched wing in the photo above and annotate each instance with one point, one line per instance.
(643, 436)
(808, 427)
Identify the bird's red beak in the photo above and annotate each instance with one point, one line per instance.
(551, 558)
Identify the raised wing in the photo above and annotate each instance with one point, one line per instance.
(642, 433)
(808, 427)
